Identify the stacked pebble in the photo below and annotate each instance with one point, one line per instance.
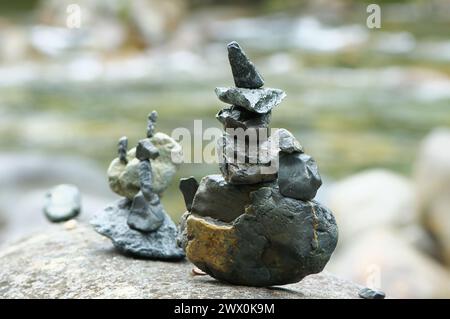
(138, 224)
(256, 224)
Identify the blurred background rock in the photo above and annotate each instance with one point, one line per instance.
(372, 106)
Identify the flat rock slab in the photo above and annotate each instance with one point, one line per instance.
(78, 263)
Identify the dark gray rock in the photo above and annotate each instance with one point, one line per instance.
(220, 200)
(244, 72)
(146, 179)
(62, 202)
(160, 244)
(253, 100)
(279, 240)
(122, 149)
(145, 150)
(152, 117)
(145, 216)
(188, 187)
(298, 176)
(239, 117)
(367, 293)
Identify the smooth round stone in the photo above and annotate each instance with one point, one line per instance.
(277, 241)
(298, 176)
(124, 178)
(160, 244)
(62, 203)
(367, 293)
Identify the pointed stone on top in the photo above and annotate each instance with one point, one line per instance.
(244, 72)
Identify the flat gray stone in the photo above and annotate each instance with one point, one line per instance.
(145, 150)
(254, 100)
(160, 244)
(244, 72)
(298, 176)
(239, 117)
(78, 263)
(62, 202)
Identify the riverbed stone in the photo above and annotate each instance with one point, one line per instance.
(244, 72)
(58, 263)
(298, 176)
(277, 241)
(159, 244)
(253, 100)
(62, 202)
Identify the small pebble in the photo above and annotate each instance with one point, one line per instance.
(198, 272)
(70, 224)
(367, 293)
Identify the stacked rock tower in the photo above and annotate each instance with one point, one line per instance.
(256, 224)
(138, 224)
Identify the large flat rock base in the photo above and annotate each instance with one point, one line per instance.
(76, 262)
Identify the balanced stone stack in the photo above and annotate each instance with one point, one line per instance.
(256, 224)
(138, 224)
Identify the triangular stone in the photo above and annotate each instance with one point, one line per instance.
(244, 72)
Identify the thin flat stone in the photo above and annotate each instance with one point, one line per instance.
(188, 187)
(244, 72)
(122, 149)
(253, 100)
(239, 117)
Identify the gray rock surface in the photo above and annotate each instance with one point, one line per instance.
(77, 263)
(287, 143)
(298, 176)
(62, 202)
(236, 116)
(160, 244)
(256, 100)
(145, 150)
(367, 293)
(244, 72)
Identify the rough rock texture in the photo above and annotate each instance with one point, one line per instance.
(62, 202)
(277, 241)
(124, 179)
(244, 72)
(160, 244)
(220, 200)
(298, 176)
(77, 263)
(146, 216)
(257, 100)
(236, 116)
(432, 184)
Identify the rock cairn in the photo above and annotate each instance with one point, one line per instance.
(138, 224)
(256, 224)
